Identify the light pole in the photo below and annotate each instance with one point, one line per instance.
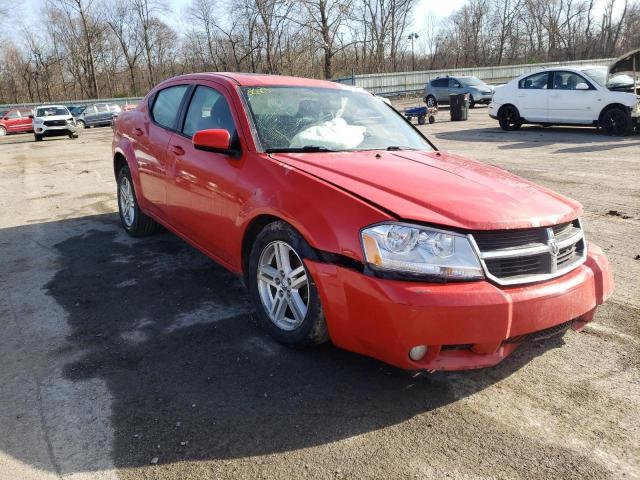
(412, 36)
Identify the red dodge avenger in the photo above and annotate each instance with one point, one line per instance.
(347, 224)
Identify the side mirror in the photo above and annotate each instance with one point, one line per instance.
(582, 86)
(31, 117)
(213, 140)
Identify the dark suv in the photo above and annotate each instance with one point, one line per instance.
(439, 89)
(95, 115)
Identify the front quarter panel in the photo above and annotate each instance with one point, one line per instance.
(329, 218)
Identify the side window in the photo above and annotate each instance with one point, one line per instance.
(208, 109)
(537, 81)
(25, 113)
(453, 83)
(13, 114)
(102, 108)
(567, 81)
(90, 110)
(166, 105)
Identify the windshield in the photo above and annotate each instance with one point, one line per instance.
(77, 110)
(471, 81)
(598, 75)
(319, 119)
(51, 111)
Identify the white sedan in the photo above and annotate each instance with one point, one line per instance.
(565, 96)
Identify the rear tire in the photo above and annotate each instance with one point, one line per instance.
(134, 222)
(279, 294)
(472, 102)
(509, 118)
(616, 122)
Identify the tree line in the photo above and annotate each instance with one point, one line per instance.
(114, 48)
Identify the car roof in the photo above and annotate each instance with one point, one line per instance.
(261, 80)
(51, 106)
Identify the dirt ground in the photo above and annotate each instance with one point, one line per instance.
(116, 353)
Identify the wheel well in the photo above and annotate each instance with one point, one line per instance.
(250, 234)
(624, 108)
(508, 105)
(118, 162)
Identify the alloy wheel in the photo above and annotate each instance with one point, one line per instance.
(3, 131)
(283, 285)
(127, 202)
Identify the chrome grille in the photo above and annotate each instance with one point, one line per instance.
(512, 257)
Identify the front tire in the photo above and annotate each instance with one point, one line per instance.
(282, 290)
(37, 137)
(616, 122)
(509, 118)
(472, 102)
(431, 101)
(3, 131)
(80, 124)
(135, 223)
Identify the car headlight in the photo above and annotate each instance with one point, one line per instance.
(418, 252)
(70, 121)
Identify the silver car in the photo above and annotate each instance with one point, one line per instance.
(439, 89)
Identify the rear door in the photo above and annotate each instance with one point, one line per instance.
(441, 89)
(567, 104)
(152, 133)
(532, 97)
(25, 124)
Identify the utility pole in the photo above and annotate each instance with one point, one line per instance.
(412, 36)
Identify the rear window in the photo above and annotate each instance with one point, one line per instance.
(166, 105)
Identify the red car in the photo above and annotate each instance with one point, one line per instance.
(347, 224)
(16, 120)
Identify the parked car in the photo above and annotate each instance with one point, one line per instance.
(439, 89)
(15, 120)
(96, 115)
(53, 120)
(347, 224)
(564, 96)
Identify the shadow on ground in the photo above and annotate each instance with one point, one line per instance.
(534, 136)
(172, 336)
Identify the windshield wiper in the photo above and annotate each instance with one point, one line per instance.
(305, 149)
(392, 148)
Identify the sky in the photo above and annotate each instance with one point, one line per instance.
(27, 10)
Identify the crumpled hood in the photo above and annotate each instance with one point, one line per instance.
(439, 188)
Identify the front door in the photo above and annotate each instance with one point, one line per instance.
(570, 104)
(202, 192)
(532, 97)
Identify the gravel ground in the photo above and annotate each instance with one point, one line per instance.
(139, 359)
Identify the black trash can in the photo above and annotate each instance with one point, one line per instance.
(459, 106)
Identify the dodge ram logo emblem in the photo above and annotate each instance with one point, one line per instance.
(553, 247)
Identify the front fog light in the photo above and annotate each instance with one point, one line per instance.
(417, 352)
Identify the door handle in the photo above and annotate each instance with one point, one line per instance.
(139, 132)
(177, 149)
